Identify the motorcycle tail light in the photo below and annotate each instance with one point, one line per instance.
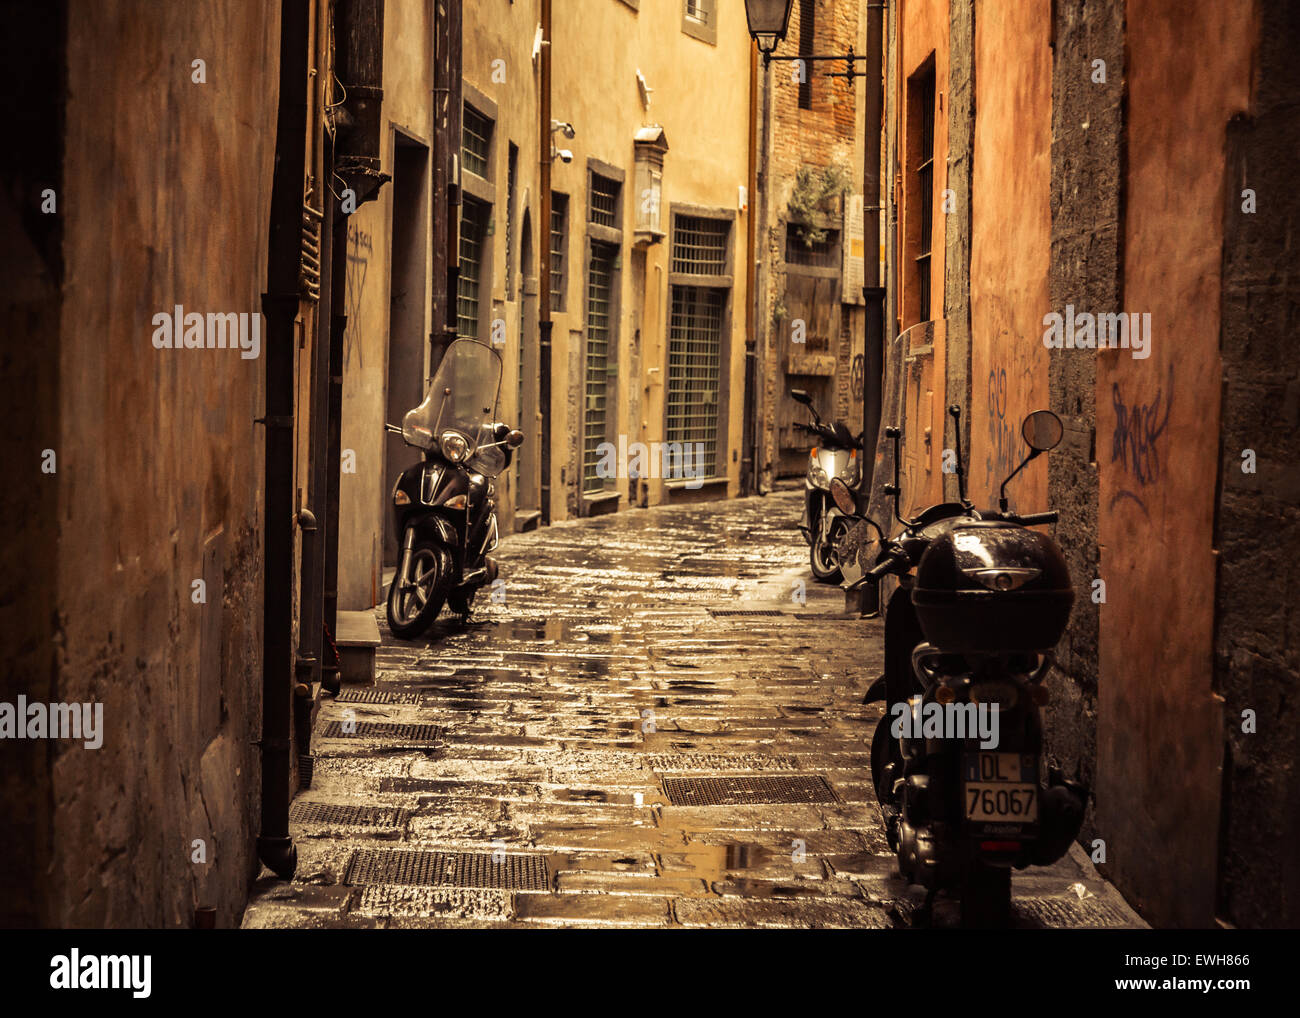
(999, 846)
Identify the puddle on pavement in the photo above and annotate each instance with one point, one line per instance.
(600, 795)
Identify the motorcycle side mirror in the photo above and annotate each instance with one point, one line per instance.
(799, 396)
(1042, 430)
(515, 438)
(843, 497)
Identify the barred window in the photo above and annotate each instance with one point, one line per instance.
(604, 201)
(476, 141)
(694, 373)
(600, 290)
(819, 254)
(925, 193)
(700, 246)
(473, 228)
(559, 247)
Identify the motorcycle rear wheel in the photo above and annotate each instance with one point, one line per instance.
(413, 605)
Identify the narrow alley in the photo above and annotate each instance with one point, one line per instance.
(657, 722)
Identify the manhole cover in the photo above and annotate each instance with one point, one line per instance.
(741, 790)
(719, 613)
(375, 696)
(346, 815)
(382, 730)
(450, 869)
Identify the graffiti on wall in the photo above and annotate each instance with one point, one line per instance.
(360, 248)
(1136, 440)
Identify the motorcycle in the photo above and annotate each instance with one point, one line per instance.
(446, 504)
(981, 602)
(835, 456)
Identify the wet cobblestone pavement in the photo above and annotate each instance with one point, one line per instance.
(555, 761)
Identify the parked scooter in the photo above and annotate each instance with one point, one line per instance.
(446, 505)
(835, 456)
(981, 602)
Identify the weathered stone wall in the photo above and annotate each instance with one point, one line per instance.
(164, 200)
(1087, 170)
(1257, 609)
(957, 225)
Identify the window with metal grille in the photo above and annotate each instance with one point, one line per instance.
(694, 373)
(925, 192)
(476, 141)
(700, 245)
(807, 37)
(823, 253)
(604, 201)
(559, 247)
(600, 287)
(512, 158)
(700, 21)
(473, 228)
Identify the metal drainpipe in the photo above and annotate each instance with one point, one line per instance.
(280, 304)
(544, 263)
(873, 351)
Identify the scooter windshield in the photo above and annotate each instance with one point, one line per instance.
(461, 398)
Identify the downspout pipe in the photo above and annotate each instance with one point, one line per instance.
(280, 304)
(544, 135)
(873, 351)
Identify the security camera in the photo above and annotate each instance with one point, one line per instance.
(560, 125)
(565, 155)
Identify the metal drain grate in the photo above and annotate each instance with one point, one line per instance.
(448, 869)
(383, 730)
(346, 815)
(743, 790)
(720, 613)
(375, 696)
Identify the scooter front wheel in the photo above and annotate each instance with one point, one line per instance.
(825, 557)
(419, 589)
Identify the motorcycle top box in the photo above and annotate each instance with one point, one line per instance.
(990, 586)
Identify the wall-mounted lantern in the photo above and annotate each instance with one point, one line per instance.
(768, 22)
(651, 144)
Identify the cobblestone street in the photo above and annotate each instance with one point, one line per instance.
(650, 730)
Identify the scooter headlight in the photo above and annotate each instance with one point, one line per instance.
(815, 471)
(852, 473)
(454, 446)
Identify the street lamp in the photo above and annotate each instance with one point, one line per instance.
(768, 21)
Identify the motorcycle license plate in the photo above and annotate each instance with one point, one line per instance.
(1000, 788)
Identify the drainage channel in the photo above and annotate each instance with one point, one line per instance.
(410, 868)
